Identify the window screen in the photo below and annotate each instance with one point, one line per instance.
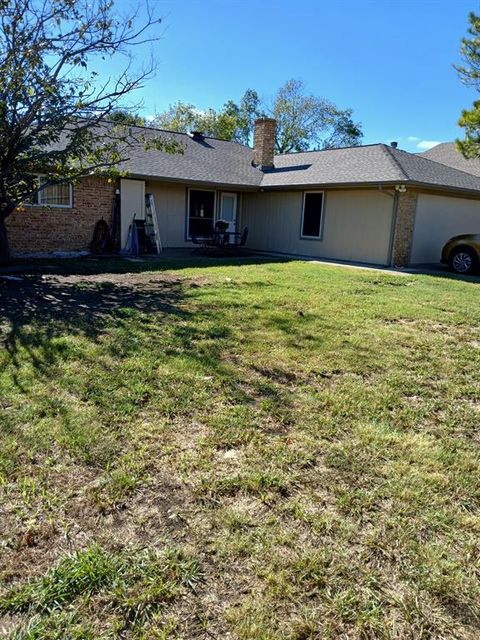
(312, 215)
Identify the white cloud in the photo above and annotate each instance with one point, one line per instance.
(427, 144)
(421, 145)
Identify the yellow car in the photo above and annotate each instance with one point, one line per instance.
(462, 253)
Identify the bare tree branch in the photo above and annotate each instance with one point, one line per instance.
(52, 107)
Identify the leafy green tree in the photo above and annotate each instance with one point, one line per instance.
(219, 124)
(249, 110)
(184, 117)
(125, 117)
(305, 121)
(181, 116)
(469, 74)
(227, 121)
(52, 107)
(344, 132)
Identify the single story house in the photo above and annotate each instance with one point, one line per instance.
(372, 204)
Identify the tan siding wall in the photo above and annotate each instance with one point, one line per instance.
(357, 224)
(171, 207)
(170, 204)
(132, 204)
(437, 219)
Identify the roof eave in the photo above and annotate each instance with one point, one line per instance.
(306, 186)
(333, 185)
(370, 184)
(204, 183)
(442, 187)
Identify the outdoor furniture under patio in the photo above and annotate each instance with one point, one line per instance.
(203, 240)
(229, 239)
(222, 241)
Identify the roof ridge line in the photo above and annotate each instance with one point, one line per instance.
(388, 151)
(440, 144)
(444, 164)
(352, 146)
(178, 133)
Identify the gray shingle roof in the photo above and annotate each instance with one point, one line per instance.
(431, 173)
(375, 164)
(446, 153)
(218, 162)
(333, 166)
(206, 160)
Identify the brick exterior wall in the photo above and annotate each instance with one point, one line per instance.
(403, 232)
(43, 229)
(264, 142)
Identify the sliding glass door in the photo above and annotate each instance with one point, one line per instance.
(201, 212)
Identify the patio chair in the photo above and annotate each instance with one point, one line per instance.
(240, 239)
(243, 238)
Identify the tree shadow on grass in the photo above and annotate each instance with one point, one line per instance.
(170, 261)
(39, 308)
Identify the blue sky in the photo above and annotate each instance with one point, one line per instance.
(391, 61)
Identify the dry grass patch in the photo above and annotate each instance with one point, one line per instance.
(255, 451)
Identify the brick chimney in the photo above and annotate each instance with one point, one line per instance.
(264, 142)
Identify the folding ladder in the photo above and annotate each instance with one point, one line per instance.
(151, 223)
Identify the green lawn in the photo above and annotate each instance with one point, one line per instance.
(255, 451)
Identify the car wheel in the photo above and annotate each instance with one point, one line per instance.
(463, 260)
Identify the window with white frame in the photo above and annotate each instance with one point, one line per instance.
(312, 214)
(54, 195)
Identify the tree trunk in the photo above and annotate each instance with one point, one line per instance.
(4, 246)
